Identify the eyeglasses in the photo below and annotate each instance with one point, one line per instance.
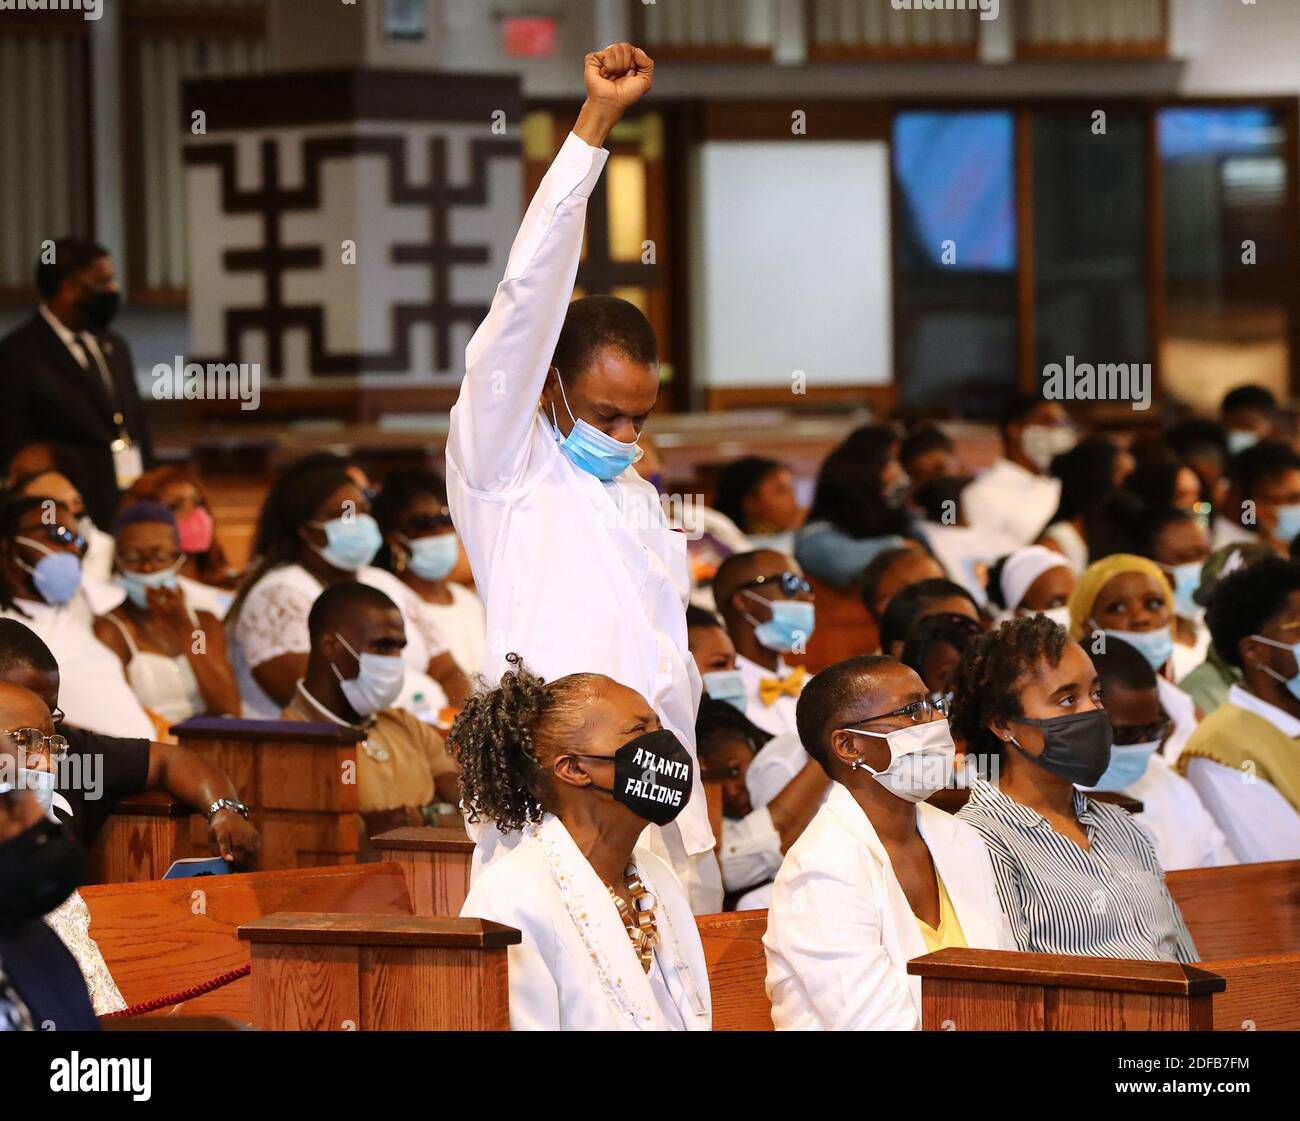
(792, 583)
(36, 745)
(918, 712)
(60, 535)
(1125, 735)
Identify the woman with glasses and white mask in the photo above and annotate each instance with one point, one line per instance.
(174, 655)
(878, 877)
(421, 548)
(41, 587)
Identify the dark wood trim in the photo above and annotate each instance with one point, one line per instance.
(1026, 273)
(871, 52)
(265, 731)
(185, 21)
(151, 803)
(280, 99)
(68, 24)
(1067, 972)
(683, 132)
(1291, 235)
(879, 398)
(331, 929)
(685, 52)
(839, 119)
(1090, 52)
(423, 838)
(1155, 222)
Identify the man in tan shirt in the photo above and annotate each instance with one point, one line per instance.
(354, 674)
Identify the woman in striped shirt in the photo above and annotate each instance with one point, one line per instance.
(1074, 876)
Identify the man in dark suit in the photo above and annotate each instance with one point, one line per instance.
(64, 376)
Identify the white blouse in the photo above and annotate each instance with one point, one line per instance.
(460, 626)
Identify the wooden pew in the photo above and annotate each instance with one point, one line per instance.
(143, 836)
(297, 778)
(733, 952)
(993, 990)
(165, 936)
(1254, 945)
(331, 972)
(435, 862)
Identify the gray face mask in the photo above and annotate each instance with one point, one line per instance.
(1076, 746)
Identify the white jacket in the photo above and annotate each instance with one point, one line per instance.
(840, 931)
(575, 969)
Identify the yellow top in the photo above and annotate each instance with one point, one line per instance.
(949, 932)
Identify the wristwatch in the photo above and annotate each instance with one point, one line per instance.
(227, 804)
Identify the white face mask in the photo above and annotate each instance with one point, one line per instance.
(1041, 444)
(922, 759)
(378, 682)
(1058, 615)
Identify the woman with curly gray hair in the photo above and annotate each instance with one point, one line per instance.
(577, 768)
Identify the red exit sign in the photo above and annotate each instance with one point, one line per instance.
(529, 36)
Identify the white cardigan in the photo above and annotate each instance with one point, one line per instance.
(575, 969)
(840, 931)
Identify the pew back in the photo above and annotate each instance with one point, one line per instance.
(733, 952)
(165, 936)
(1241, 911)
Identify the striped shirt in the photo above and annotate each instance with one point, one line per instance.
(1110, 901)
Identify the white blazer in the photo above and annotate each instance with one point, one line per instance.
(840, 931)
(575, 969)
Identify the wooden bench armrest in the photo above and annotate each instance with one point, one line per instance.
(265, 731)
(339, 929)
(423, 838)
(1007, 967)
(151, 803)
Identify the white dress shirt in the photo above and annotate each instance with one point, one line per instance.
(93, 690)
(1011, 501)
(576, 575)
(1181, 709)
(1187, 658)
(840, 931)
(1259, 822)
(778, 717)
(1179, 825)
(1224, 531)
(966, 553)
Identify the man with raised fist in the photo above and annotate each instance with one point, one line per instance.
(570, 548)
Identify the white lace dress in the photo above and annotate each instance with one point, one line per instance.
(70, 920)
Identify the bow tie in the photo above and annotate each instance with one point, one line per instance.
(770, 688)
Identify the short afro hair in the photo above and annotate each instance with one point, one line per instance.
(870, 580)
(71, 256)
(1246, 600)
(1254, 398)
(340, 602)
(21, 649)
(924, 438)
(986, 686)
(825, 699)
(1251, 469)
(900, 615)
(1120, 664)
(594, 323)
(697, 616)
(718, 722)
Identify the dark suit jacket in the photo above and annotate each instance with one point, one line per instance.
(44, 973)
(46, 395)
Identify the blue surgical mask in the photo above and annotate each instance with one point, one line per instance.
(378, 682)
(1239, 441)
(433, 558)
(56, 576)
(591, 450)
(1292, 683)
(350, 543)
(1186, 579)
(1155, 646)
(1128, 763)
(726, 685)
(790, 627)
(1288, 523)
(137, 584)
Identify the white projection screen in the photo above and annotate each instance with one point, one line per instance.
(791, 268)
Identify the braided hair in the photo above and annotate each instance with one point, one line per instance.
(986, 685)
(501, 735)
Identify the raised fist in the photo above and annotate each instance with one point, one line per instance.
(619, 76)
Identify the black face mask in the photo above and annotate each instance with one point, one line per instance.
(98, 308)
(39, 869)
(652, 776)
(1076, 746)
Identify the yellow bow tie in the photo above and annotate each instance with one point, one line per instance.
(769, 688)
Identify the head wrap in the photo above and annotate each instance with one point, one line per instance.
(1023, 567)
(1097, 576)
